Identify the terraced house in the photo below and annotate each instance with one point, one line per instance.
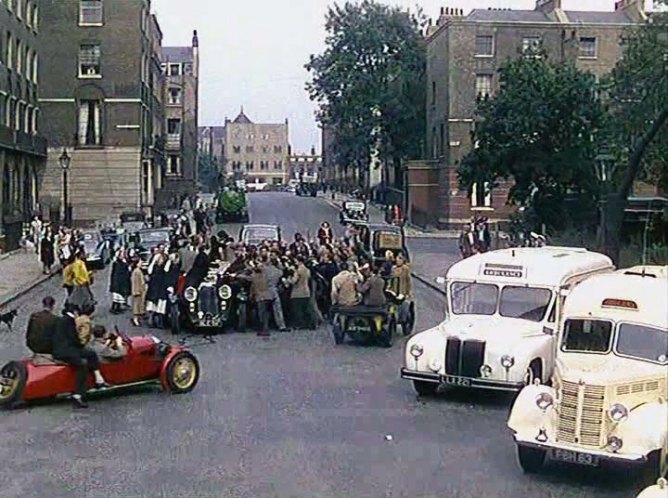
(22, 148)
(102, 105)
(464, 54)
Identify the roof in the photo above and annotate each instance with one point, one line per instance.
(544, 266)
(507, 15)
(650, 294)
(242, 118)
(177, 54)
(618, 17)
(536, 16)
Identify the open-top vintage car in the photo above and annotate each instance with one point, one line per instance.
(378, 238)
(353, 211)
(502, 310)
(365, 324)
(607, 402)
(218, 304)
(148, 361)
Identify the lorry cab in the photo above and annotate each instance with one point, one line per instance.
(608, 401)
(502, 309)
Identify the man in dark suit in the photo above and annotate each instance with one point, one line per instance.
(41, 327)
(67, 348)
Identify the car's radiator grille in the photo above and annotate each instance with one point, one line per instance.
(208, 300)
(464, 358)
(581, 414)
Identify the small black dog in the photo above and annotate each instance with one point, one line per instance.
(8, 318)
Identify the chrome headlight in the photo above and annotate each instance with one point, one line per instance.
(544, 401)
(416, 351)
(507, 361)
(190, 294)
(615, 443)
(618, 413)
(435, 365)
(486, 371)
(225, 292)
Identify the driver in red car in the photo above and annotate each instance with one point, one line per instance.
(67, 348)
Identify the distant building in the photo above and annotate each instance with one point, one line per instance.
(256, 152)
(180, 65)
(22, 148)
(306, 167)
(211, 142)
(464, 55)
(102, 101)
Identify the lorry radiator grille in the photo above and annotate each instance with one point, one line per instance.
(464, 358)
(581, 414)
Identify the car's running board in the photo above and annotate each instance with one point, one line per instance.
(112, 388)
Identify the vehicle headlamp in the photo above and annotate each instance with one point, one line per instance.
(190, 294)
(618, 413)
(155, 339)
(416, 351)
(486, 371)
(544, 401)
(507, 361)
(615, 443)
(225, 292)
(435, 365)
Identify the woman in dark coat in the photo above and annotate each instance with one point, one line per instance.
(199, 270)
(120, 285)
(46, 251)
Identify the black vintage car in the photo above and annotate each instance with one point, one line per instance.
(352, 212)
(307, 190)
(145, 241)
(217, 305)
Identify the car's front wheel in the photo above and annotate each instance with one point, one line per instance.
(182, 373)
(530, 459)
(13, 378)
(425, 388)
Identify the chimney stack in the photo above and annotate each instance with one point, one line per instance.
(548, 6)
(634, 9)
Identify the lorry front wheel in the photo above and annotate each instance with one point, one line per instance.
(531, 459)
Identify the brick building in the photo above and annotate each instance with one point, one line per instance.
(102, 101)
(180, 66)
(22, 148)
(256, 152)
(464, 54)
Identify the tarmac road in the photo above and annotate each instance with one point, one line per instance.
(288, 416)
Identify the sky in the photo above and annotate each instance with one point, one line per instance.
(253, 53)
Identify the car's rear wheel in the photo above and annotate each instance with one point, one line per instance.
(530, 459)
(425, 389)
(182, 373)
(13, 378)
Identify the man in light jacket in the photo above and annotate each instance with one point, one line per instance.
(300, 297)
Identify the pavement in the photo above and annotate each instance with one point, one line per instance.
(21, 272)
(289, 416)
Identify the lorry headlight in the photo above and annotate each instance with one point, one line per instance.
(486, 371)
(190, 294)
(435, 365)
(507, 361)
(416, 351)
(544, 401)
(225, 292)
(618, 413)
(615, 443)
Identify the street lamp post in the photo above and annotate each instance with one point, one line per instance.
(603, 160)
(65, 160)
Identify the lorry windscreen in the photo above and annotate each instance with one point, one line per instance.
(525, 302)
(643, 342)
(587, 336)
(474, 299)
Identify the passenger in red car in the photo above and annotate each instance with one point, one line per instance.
(67, 348)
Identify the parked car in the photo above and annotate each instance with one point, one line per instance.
(145, 241)
(607, 402)
(502, 311)
(353, 211)
(133, 222)
(96, 248)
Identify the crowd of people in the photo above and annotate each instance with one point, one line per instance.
(475, 237)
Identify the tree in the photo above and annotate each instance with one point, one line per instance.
(369, 82)
(208, 171)
(537, 133)
(639, 111)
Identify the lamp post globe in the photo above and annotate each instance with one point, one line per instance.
(65, 160)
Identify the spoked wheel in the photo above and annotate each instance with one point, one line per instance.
(182, 373)
(13, 378)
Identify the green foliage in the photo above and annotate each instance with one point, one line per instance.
(369, 82)
(232, 201)
(537, 131)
